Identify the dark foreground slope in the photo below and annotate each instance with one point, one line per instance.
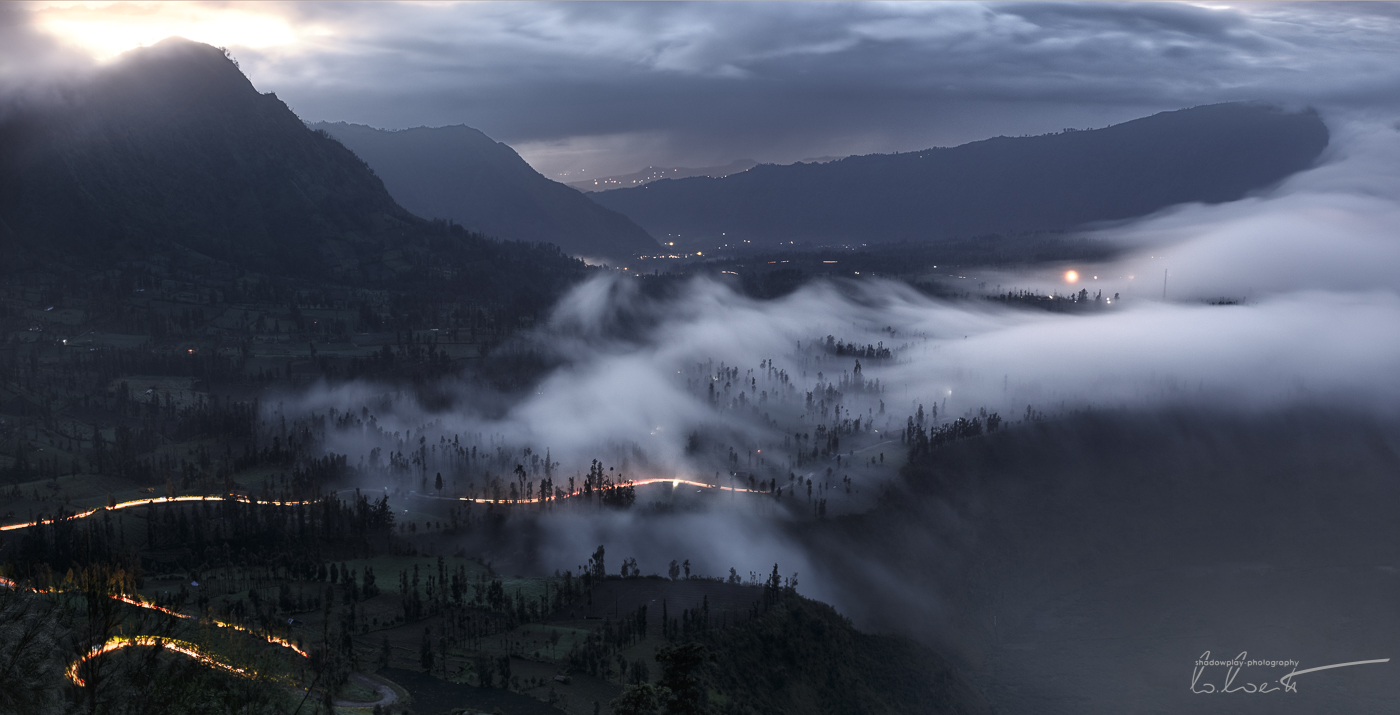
(458, 173)
(801, 656)
(1004, 185)
(1086, 562)
(171, 151)
(173, 145)
(657, 173)
(765, 649)
(163, 196)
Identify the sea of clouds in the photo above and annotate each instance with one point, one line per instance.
(1311, 269)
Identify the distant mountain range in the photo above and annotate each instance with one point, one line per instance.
(458, 173)
(1005, 185)
(171, 152)
(656, 173)
(171, 147)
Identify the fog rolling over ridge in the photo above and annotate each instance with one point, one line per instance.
(1169, 451)
(303, 416)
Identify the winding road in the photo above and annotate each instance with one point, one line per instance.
(387, 696)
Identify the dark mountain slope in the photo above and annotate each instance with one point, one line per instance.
(1004, 185)
(171, 152)
(458, 173)
(172, 144)
(801, 656)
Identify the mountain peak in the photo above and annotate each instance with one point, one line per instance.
(459, 173)
(172, 145)
(179, 69)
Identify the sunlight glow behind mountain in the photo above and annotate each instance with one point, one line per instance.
(105, 30)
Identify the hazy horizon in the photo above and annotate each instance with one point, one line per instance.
(299, 419)
(603, 89)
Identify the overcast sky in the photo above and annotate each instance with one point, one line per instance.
(613, 87)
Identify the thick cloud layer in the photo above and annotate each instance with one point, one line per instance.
(31, 62)
(1327, 229)
(1317, 257)
(1238, 502)
(613, 87)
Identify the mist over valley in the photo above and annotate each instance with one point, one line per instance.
(313, 413)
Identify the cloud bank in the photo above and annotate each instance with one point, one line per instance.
(613, 87)
(1316, 259)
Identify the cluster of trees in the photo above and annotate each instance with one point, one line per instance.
(689, 662)
(921, 441)
(597, 652)
(680, 690)
(225, 531)
(692, 622)
(823, 403)
(448, 590)
(1072, 302)
(793, 655)
(486, 668)
(455, 464)
(868, 352)
(618, 494)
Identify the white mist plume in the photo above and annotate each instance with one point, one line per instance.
(1330, 228)
(32, 63)
(1319, 256)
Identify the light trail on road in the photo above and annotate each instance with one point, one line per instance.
(158, 500)
(275, 640)
(188, 649)
(142, 603)
(579, 492)
(170, 644)
(272, 502)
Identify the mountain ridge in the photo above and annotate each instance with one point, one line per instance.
(1004, 185)
(461, 174)
(173, 144)
(654, 173)
(168, 166)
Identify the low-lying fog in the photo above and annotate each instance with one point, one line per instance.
(1116, 417)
